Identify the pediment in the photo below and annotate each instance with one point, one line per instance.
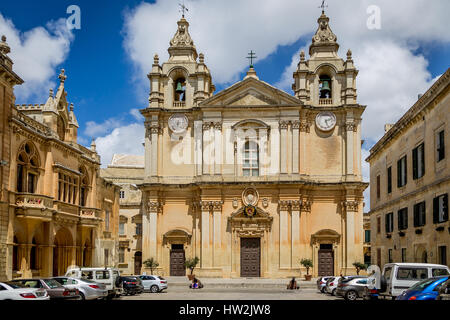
(251, 92)
(259, 214)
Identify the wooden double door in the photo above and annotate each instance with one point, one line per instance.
(250, 257)
(177, 259)
(326, 263)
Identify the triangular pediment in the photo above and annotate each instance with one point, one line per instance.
(251, 92)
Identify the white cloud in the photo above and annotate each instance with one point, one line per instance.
(137, 115)
(127, 139)
(36, 53)
(94, 129)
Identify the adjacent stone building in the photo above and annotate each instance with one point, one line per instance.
(127, 171)
(56, 211)
(410, 183)
(252, 179)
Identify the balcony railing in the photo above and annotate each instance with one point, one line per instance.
(33, 200)
(179, 104)
(325, 101)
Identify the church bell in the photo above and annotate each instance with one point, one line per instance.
(179, 88)
(325, 88)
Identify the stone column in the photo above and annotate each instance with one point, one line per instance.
(154, 130)
(206, 148)
(351, 209)
(262, 151)
(283, 146)
(295, 146)
(350, 128)
(198, 124)
(295, 234)
(149, 230)
(305, 239)
(217, 147)
(148, 151)
(285, 253)
(217, 216)
(205, 260)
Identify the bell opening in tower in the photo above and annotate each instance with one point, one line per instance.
(325, 87)
(180, 90)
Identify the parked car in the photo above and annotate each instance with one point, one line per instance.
(424, 290)
(399, 277)
(321, 283)
(331, 285)
(54, 289)
(444, 291)
(110, 277)
(88, 289)
(132, 285)
(13, 291)
(153, 283)
(351, 288)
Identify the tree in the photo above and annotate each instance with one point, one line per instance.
(191, 263)
(359, 266)
(307, 263)
(151, 264)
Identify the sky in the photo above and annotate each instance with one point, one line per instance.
(107, 59)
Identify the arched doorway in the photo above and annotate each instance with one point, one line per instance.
(324, 250)
(137, 262)
(62, 252)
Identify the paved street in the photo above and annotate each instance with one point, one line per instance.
(181, 293)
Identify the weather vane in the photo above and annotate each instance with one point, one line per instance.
(323, 6)
(183, 8)
(251, 56)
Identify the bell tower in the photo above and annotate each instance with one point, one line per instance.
(325, 79)
(184, 80)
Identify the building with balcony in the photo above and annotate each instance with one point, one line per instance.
(410, 183)
(56, 211)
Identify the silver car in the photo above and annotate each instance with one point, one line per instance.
(153, 283)
(89, 290)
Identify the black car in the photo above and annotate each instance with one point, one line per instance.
(132, 285)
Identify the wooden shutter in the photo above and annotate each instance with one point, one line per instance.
(405, 170)
(436, 210)
(386, 217)
(445, 207)
(423, 160)
(399, 173)
(416, 215)
(415, 164)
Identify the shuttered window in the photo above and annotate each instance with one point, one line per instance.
(440, 208)
(440, 146)
(401, 172)
(419, 214)
(378, 187)
(389, 222)
(389, 180)
(402, 219)
(418, 155)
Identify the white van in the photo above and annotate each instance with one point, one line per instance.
(110, 277)
(401, 276)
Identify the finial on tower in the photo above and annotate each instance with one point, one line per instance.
(201, 58)
(4, 48)
(349, 54)
(302, 56)
(71, 106)
(62, 77)
(93, 145)
(156, 60)
(50, 94)
(323, 6)
(183, 9)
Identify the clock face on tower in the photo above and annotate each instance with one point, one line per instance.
(178, 122)
(325, 121)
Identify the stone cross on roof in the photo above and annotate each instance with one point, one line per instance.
(62, 77)
(183, 8)
(251, 56)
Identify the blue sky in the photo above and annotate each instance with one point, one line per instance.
(107, 59)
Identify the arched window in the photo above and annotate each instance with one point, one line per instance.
(325, 87)
(180, 90)
(84, 186)
(251, 159)
(27, 168)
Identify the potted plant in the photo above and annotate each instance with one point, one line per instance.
(151, 264)
(359, 266)
(191, 264)
(307, 263)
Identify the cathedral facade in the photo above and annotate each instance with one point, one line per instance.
(252, 179)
